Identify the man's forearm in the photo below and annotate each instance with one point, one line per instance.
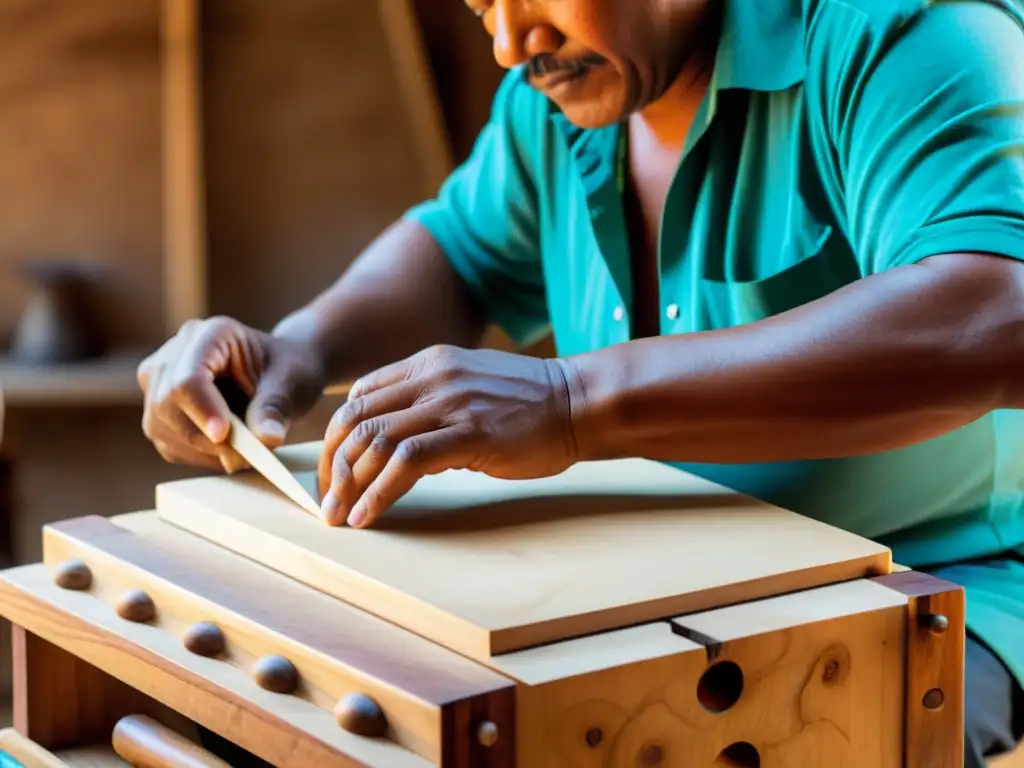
(400, 296)
(884, 363)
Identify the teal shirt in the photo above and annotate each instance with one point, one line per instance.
(839, 139)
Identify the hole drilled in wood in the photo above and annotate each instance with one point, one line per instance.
(720, 687)
(742, 754)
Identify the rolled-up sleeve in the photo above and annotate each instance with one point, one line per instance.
(925, 118)
(485, 218)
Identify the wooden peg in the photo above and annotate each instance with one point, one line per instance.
(276, 674)
(359, 714)
(135, 605)
(73, 574)
(487, 734)
(204, 639)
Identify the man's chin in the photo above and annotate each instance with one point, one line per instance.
(588, 114)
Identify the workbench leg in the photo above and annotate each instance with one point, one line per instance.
(936, 634)
(61, 701)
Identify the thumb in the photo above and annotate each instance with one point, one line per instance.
(272, 410)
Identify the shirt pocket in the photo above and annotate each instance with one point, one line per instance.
(814, 265)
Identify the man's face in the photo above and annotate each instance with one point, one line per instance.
(597, 60)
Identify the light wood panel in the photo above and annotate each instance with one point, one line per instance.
(27, 752)
(281, 730)
(336, 649)
(486, 566)
(820, 683)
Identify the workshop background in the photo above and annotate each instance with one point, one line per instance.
(168, 159)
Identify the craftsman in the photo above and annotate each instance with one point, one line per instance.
(778, 244)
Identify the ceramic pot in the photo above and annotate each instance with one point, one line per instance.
(56, 325)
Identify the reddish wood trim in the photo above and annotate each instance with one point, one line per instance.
(934, 716)
(61, 701)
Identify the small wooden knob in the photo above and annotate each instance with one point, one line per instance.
(359, 714)
(487, 734)
(135, 605)
(936, 623)
(276, 674)
(204, 639)
(73, 574)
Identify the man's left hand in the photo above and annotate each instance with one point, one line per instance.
(506, 415)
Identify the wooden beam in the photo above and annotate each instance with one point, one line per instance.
(184, 200)
(419, 91)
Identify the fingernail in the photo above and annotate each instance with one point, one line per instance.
(357, 516)
(272, 430)
(216, 429)
(329, 507)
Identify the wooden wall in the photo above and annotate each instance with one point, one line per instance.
(308, 156)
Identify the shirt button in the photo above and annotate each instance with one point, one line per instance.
(672, 311)
(618, 314)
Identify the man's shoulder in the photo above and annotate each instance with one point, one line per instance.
(847, 39)
(883, 19)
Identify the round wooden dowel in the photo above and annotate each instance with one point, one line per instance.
(359, 714)
(204, 639)
(487, 734)
(276, 674)
(73, 574)
(135, 605)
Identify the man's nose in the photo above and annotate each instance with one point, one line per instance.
(519, 37)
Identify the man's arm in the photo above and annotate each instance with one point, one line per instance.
(925, 120)
(889, 361)
(400, 296)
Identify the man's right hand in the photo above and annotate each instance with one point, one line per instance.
(185, 415)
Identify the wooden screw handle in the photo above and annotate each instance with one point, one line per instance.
(145, 743)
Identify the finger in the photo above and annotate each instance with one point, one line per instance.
(194, 391)
(427, 454)
(177, 453)
(382, 377)
(173, 429)
(348, 418)
(366, 452)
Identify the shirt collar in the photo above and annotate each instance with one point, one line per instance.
(761, 45)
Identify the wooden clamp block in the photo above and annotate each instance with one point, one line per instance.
(517, 641)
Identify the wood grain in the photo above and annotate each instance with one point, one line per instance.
(336, 648)
(486, 567)
(934, 668)
(27, 752)
(184, 189)
(821, 685)
(61, 701)
(218, 696)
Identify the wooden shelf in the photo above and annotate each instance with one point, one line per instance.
(106, 381)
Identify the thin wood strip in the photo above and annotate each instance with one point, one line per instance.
(281, 730)
(27, 752)
(337, 649)
(936, 631)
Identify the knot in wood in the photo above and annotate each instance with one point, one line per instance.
(594, 737)
(834, 665)
(359, 714)
(934, 699)
(73, 574)
(651, 756)
(276, 674)
(204, 639)
(135, 605)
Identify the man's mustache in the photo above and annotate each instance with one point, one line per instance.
(548, 64)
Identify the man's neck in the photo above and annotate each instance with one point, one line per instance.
(668, 119)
